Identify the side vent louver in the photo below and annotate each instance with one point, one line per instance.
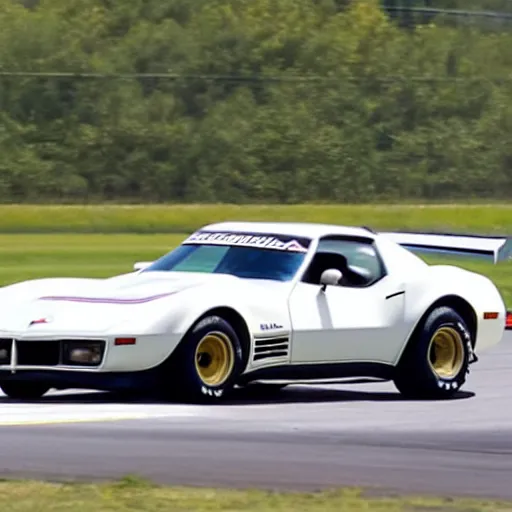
(266, 348)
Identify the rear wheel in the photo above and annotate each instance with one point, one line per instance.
(24, 390)
(207, 363)
(435, 363)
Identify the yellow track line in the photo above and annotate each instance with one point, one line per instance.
(20, 423)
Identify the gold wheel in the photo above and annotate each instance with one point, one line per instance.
(214, 359)
(446, 352)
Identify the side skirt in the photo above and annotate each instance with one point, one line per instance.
(328, 371)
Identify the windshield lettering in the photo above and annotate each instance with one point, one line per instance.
(247, 240)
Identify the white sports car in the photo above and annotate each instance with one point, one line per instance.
(242, 302)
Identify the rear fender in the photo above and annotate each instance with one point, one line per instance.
(469, 293)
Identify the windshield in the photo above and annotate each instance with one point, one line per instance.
(255, 257)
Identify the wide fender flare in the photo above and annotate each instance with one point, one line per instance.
(445, 283)
(193, 306)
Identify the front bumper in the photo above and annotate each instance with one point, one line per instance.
(19, 353)
(121, 367)
(52, 353)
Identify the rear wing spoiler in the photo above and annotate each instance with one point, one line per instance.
(493, 248)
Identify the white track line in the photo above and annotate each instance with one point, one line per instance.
(16, 413)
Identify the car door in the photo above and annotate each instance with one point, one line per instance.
(358, 320)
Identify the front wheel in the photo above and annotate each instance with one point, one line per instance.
(24, 390)
(207, 363)
(435, 363)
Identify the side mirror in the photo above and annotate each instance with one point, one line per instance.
(330, 277)
(141, 265)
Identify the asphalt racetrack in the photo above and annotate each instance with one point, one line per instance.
(303, 437)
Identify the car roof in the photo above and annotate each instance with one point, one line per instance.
(295, 229)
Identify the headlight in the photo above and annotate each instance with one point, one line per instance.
(85, 353)
(5, 351)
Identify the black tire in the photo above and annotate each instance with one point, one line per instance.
(197, 383)
(420, 373)
(24, 390)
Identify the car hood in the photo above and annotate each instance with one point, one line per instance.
(50, 306)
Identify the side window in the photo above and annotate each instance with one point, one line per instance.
(358, 261)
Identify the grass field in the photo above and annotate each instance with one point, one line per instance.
(184, 218)
(131, 496)
(104, 240)
(100, 241)
(68, 255)
(101, 255)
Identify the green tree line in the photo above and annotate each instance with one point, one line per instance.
(250, 101)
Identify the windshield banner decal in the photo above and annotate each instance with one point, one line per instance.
(262, 241)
